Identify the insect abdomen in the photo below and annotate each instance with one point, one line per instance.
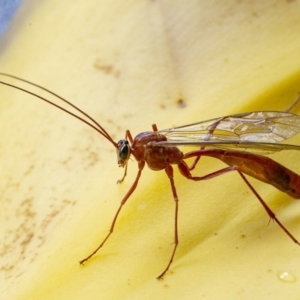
(262, 168)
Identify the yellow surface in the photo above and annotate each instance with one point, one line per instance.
(128, 63)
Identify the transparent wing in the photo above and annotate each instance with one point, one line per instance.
(261, 130)
(254, 147)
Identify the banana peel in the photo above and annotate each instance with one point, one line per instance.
(129, 65)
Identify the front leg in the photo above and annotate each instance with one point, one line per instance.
(124, 200)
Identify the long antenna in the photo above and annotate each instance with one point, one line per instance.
(99, 128)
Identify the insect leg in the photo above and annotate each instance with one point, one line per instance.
(169, 172)
(126, 197)
(268, 210)
(295, 102)
(129, 136)
(124, 175)
(185, 171)
(194, 163)
(208, 135)
(154, 127)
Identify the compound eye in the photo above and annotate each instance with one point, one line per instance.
(123, 152)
